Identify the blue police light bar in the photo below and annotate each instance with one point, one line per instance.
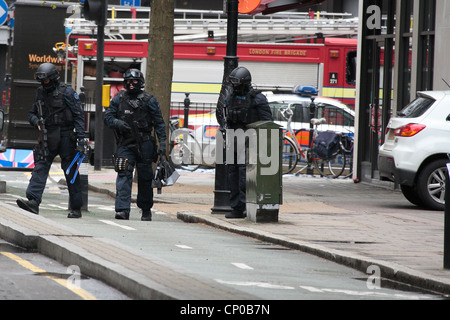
(305, 90)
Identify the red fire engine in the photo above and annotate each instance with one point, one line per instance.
(198, 66)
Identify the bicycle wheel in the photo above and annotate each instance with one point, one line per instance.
(347, 146)
(185, 151)
(289, 155)
(332, 168)
(348, 170)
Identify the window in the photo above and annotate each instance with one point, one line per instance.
(416, 108)
(350, 68)
(275, 108)
(300, 111)
(426, 45)
(334, 115)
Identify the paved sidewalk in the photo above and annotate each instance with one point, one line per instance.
(358, 225)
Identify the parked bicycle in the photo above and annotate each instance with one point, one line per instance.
(185, 151)
(294, 154)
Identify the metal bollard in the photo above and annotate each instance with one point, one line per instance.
(84, 165)
(84, 182)
(187, 103)
(312, 113)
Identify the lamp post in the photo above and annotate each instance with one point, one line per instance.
(96, 10)
(98, 154)
(221, 185)
(312, 113)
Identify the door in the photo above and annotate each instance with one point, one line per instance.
(380, 95)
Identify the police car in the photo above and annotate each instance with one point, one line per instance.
(340, 118)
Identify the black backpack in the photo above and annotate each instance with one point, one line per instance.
(326, 145)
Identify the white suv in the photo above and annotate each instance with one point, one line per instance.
(416, 149)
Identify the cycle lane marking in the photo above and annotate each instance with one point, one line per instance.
(117, 225)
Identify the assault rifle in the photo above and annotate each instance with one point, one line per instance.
(137, 135)
(224, 116)
(43, 136)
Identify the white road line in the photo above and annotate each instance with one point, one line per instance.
(241, 266)
(110, 209)
(47, 208)
(311, 289)
(362, 293)
(56, 206)
(182, 246)
(12, 195)
(255, 284)
(117, 225)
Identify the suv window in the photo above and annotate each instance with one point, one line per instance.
(416, 108)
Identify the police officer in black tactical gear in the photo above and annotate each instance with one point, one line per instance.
(133, 114)
(244, 105)
(58, 115)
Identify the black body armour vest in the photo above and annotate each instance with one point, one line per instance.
(241, 111)
(56, 112)
(132, 111)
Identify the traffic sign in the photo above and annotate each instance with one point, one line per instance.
(3, 12)
(130, 3)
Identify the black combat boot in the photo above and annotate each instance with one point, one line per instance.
(235, 214)
(146, 215)
(122, 215)
(75, 213)
(29, 205)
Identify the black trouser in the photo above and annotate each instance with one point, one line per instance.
(66, 148)
(124, 181)
(237, 181)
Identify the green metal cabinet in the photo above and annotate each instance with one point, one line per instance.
(264, 188)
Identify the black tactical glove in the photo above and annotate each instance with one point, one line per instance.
(162, 148)
(38, 124)
(81, 146)
(122, 126)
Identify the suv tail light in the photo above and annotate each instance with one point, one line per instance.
(409, 130)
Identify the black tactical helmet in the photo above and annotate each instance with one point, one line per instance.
(134, 74)
(240, 75)
(47, 71)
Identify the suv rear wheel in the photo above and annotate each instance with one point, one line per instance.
(431, 184)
